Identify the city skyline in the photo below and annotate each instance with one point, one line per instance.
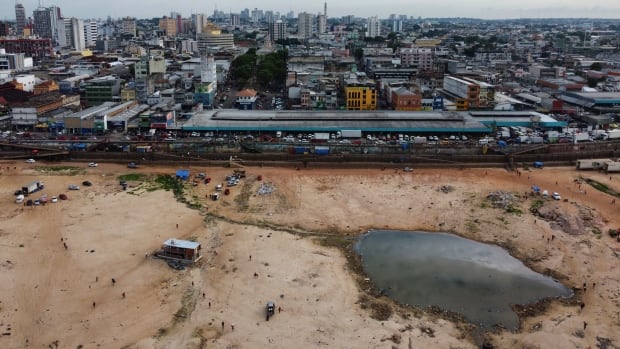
(484, 9)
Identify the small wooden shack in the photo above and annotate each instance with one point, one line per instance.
(181, 250)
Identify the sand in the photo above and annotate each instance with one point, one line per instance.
(47, 291)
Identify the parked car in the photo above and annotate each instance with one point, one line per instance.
(74, 187)
(556, 196)
(132, 165)
(31, 161)
(54, 199)
(87, 183)
(92, 164)
(62, 197)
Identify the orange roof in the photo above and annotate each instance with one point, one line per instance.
(248, 92)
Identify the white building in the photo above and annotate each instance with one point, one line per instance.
(91, 29)
(199, 20)
(321, 23)
(27, 80)
(74, 30)
(305, 25)
(374, 27)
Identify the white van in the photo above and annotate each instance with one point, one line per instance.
(19, 199)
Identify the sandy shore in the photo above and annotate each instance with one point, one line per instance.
(64, 297)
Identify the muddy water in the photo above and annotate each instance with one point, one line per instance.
(476, 280)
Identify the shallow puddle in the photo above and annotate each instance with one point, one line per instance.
(476, 280)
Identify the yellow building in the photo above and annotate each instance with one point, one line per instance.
(361, 97)
(128, 94)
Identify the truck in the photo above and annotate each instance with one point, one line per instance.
(419, 140)
(591, 164)
(351, 133)
(599, 134)
(612, 166)
(613, 134)
(503, 134)
(320, 137)
(321, 150)
(581, 137)
(522, 139)
(32, 187)
(536, 140)
(552, 136)
(270, 309)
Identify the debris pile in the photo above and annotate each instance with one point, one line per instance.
(446, 189)
(501, 199)
(265, 189)
(176, 265)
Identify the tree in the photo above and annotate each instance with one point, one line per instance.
(592, 82)
(271, 70)
(596, 66)
(358, 54)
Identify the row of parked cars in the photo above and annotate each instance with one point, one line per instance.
(42, 200)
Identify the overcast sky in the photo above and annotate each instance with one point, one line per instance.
(359, 8)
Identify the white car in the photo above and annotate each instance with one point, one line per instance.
(92, 164)
(31, 161)
(556, 196)
(54, 199)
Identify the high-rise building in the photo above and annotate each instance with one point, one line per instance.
(91, 30)
(277, 30)
(74, 29)
(208, 71)
(349, 19)
(199, 20)
(235, 19)
(20, 19)
(245, 14)
(305, 25)
(321, 23)
(374, 27)
(128, 26)
(48, 24)
(169, 25)
(397, 26)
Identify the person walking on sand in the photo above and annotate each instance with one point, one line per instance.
(94, 304)
(222, 325)
(113, 282)
(232, 327)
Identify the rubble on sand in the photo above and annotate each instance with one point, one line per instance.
(446, 189)
(265, 189)
(501, 199)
